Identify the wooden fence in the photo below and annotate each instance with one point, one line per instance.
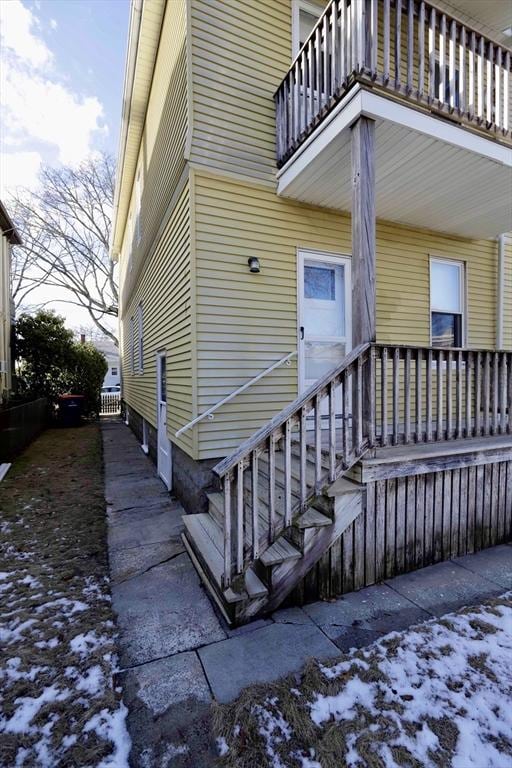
(110, 403)
(20, 425)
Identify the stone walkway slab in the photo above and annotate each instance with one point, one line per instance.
(169, 712)
(134, 561)
(377, 608)
(262, 656)
(493, 564)
(162, 612)
(444, 587)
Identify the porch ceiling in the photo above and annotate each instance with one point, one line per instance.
(421, 181)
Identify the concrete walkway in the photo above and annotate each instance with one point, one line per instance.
(177, 654)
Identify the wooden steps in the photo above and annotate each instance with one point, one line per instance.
(312, 518)
(280, 552)
(206, 539)
(269, 578)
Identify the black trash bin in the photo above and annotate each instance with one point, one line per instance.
(71, 408)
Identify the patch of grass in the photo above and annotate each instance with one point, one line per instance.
(386, 720)
(54, 552)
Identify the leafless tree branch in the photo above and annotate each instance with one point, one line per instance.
(65, 229)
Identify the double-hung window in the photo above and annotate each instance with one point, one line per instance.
(132, 345)
(140, 350)
(447, 302)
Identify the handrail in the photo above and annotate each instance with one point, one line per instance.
(234, 394)
(232, 460)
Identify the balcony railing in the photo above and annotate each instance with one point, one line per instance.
(406, 47)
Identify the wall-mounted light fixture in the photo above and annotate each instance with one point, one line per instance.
(254, 264)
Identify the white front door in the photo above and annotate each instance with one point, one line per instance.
(325, 336)
(164, 466)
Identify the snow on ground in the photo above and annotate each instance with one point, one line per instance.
(436, 696)
(59, 706)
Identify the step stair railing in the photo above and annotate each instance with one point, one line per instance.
(327, 420)
(380, 395)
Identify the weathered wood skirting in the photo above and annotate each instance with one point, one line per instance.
(414, 521)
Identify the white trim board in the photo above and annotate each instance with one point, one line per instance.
(4, 468)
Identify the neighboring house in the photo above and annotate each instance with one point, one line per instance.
(9, 238)
(111, 352)
(309, 221)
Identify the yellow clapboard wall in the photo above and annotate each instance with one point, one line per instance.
(164, 290)
(161, 160)
(246, 322)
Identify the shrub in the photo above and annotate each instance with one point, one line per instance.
(51, 363)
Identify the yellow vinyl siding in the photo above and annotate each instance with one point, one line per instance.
(246, 322)
(403, 284)
(162, 152)
(240, 53)
(164, 289)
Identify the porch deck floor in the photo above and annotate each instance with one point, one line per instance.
(431, 448)
(177, 654)
(442, 448)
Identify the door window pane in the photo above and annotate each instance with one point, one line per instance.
(321, 357)
(163, 381)
(319, 283)
(445, 286)
(324, 300)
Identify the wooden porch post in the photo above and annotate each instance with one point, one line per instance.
(363, 250)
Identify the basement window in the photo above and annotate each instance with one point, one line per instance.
(446, 303)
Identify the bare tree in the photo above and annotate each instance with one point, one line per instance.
(65, 228)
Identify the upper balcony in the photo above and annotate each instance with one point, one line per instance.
(438, 90)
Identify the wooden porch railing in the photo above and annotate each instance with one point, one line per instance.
(380, 395)
(407, 47)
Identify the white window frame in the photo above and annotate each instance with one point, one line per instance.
(462, 289)
(132, 344)
(140, 338)
(297, 7)
(138, 198)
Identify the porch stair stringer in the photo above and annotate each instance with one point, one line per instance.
(287, 492)
(280, 567)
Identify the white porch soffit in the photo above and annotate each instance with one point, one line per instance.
(143, 39)
(429, 173)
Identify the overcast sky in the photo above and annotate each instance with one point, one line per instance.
(61, 77)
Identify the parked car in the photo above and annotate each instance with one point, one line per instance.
(113, 388)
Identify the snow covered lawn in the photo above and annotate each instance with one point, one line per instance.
(436, 695)
(58, 704)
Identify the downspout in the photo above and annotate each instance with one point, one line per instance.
(131, 58)
(500, 301)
